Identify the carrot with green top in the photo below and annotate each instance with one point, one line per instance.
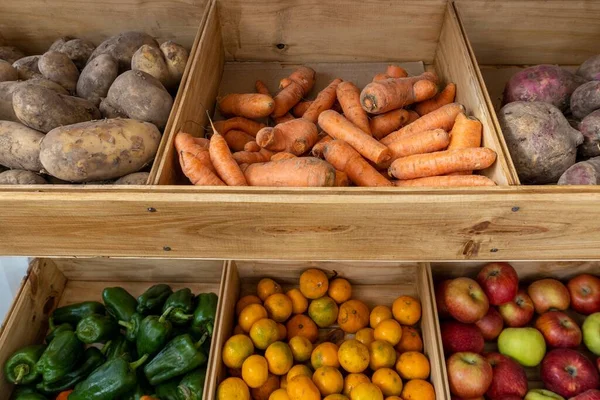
(194, 159)
(291, 172)
(252, 157)
(420, 143)
(344, 158)
(348, 96)
(224, 163)
(297, 137)
(236, 140)
(324, 101)
(298, 84)
(262, 88)
(383, 124)
(249, 105)
(444, 97)
(240, 124)
(382, 96)
(447, 181)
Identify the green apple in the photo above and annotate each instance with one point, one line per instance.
(525, 345)
(591, 333)
(542, 394)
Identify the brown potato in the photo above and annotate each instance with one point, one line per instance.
(78, 50)
(122, 47)
(97, 77)
(27, 67)
(47, 83)
(20, 177)
(7, 113)
(176, 57)
(20, 146)
(59, 68)
(10, 54)
(108, 111)
(137, 178)
(7, 72)
(150, 60)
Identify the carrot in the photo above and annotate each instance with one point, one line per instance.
(293, 172)
(249, 105)
(300, 83)
(344, 158)
(341, 179)
(248, 157)
(448, 181)
(382, 76)
(296, 137)
(300, 108)
(339, 127)
(183, 139)
(396, 71)
(412, 117)
(282, 156)
(236, 140)
(317, 150)
(465, 133)
(444, 97)
(324, 101)
(384, 124)
(252, 146)
(442, 162)
(239, 123)
(263, 89)
(442, 118)
(383, 96)
(195, 161)
(285, 82)
(420, 143)
(349, 97)
(224, 163)
(64, 395)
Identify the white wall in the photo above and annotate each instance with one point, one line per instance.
(12, 271)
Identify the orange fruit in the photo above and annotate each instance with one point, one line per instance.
(255, 371)
(336, 396)
(282, 331)
(353, 356)
(388, 381)
(352, 381)
(393, 398)
(366, 391)
(236, 349)
(381, 355)
(388, 330)
(299, 369)
(283, 381)
(263, 333)
(413, 365)
(279, 394)
(301, 325)
(323, 311)
(301, 348)
(250, 314)
(299, 302)
(365, 336)
(378, 314)
(313, 283)
(238, 330)
(302, 388)
(325, 355)
(340, 290)
(279, 357)
(328, 380)
(353, 316)
(233, 388)
(279, 307)
(407, 310)
(264, 392)
(410, 340)
(267, 287)
(246, 301)
(418, 389)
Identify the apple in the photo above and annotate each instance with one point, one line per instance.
(465, 300)
(568, 372)
(525, 345)
(549, 294)
(559, 329)
(598, 363)
(509, 378)
(491, 324)
(542, 394)
(591, 333)
(519, 311)
(592, 394)
(440, 295)
(585, 293)
(459, 337)
(499, 281)
(469, 375)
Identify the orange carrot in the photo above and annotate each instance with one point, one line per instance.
(444, 97)
(64, 395)
(396, 71)
(383, 96)
(282, 156)
(442, 118)
(183, 139)
(195, 161)
(236, 140)
(223, 161)
(317, 150)
(442, 162)
(248, 157)
(300, 83)
(263, 89)
(412, 117)
(448, 181)
(285, 82)
(296, 137)
(251, 146)
(465, 133)
(239, 123)
(344, 158)
(324, 101)
(420, 143)
(293, 172)
(349, 97)
(384, 124)
(249, 105)
(339, 127)
(341, 179)
(300, 108)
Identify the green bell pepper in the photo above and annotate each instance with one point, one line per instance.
(73, 313)
(54, 330)
(167, 390)
(92, 359)
(182, 303)
(97, 328)
(26, 393)
(152, 300)
(60, 356)
(205, 313)
(132, 326)
(20, 366)
(153, 334)
(119, 347)
(179, 356)
(119, 303)
(191, 386)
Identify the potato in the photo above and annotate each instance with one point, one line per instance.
(108, 111)
(590, 69)
(122, 47)
(27, 67)
(585, 99)
(43, 109)
(59, 68)
(20, 177)
(541, 141)
(78, 50)
(97, 77)
(137, 178)
(99, 150)
(582, 173)
(141, 96)
(8, 72)
(150, 60)
(176, 57)
(10, 54)
(590, 129)
(47, 83)
(20, 146)
(7, 113)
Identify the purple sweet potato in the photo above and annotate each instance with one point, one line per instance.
(541, 141)
(547, 83)
(585, 99)
(590, 129)
(582, 173)
(590, 69)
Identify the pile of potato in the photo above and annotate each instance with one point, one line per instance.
(80, 113)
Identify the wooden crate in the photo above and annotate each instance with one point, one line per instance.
(373, 283)
(58, 282)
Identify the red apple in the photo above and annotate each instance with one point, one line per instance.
(598, 363)
(509, 378)
(440, 298)
(519, 311)
(491, 324)
(459, 337)
(499, 281)
(469, 374)
(549, 294)
(568, 372)
(592, 394)
(585, 293)
(466, 301)
(558, 329)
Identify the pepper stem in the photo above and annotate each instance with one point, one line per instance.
(179, 316)
(164, 315)
(209, 328)
(138, 363)
(201, 341)
(105, 347)
(127, 325)
(21, 370)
